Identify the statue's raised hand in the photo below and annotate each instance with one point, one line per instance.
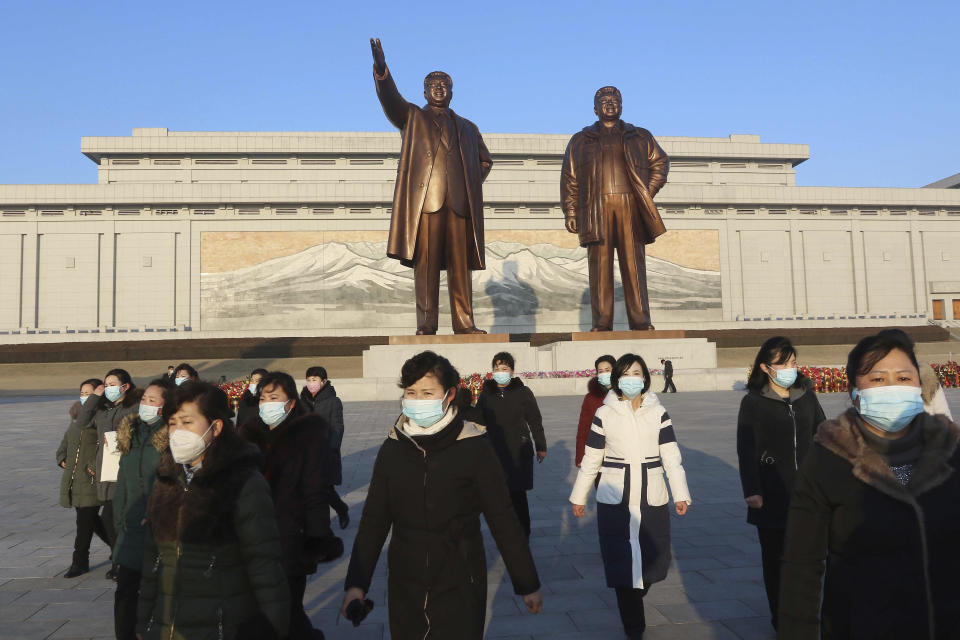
(379, 62)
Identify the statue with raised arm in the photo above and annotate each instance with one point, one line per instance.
(437, 220)
(611, 172)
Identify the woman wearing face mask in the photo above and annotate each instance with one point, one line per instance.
(319, 397)
(778, 418)
(632, 445)
(433, 477)
(77, 452)
(142, 439)
(509, 411)
(597, 390)
(212, 565)
(295, 452)
(109, 404)
(184, 373)
(875, 503)
(249, 406)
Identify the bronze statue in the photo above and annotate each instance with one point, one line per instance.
(437, 220)
(611, 172)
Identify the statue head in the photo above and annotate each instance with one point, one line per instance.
(608, 104)
(438, 89)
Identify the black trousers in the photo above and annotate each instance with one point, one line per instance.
(522, 507)
(125, 603)
(107, 516)
(668, 384)
(630, 604)
(771, 553)
(300, 626)
(335, 501)
(88, 523)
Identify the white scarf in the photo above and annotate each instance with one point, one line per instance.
(414, 430)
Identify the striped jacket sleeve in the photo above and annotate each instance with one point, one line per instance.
(672, 462)
(592, 459)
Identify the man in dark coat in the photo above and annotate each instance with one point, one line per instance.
(611, 172)
(437, 219)
(668, 376)
(319, 396)
(294, 446)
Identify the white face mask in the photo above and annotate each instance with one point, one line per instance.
(149, 413)
(252, 387)
(186, 446)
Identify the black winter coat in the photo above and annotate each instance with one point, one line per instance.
(511, 416)
(431, 493)
(328, 406)
(212, 562)
(891, 551)
(773, 437)
(248, 408)
(293, 462)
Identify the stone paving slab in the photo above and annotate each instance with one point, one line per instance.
(714, 588)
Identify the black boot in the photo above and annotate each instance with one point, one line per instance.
(112, 573)
(79, 566)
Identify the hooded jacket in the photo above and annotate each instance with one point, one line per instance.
(141, 446)
(78, 452)
(773, 437)
(430, 491)
(890, 550)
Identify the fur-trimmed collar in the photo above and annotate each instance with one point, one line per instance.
(159, 438)
(929, 383)
(490, 385)
(842, 437)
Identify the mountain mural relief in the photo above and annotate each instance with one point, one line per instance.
(353, 285)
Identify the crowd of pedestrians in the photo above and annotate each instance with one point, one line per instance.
(216, 516)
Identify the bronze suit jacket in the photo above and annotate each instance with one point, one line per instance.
(421, 141)
(580, 184)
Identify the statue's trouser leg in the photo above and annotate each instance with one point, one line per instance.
(459, 282)
(633, 262)
(600, 265)
(426, 269)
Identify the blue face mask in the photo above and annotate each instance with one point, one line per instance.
(502, 377)
(425, 413)
(179, 381)
(631, 386)
(83, 399)
(604, 379)
(889, 408)
(149, 413)
(272, 413)
(113, 393)
(785, 377)
(252, 387)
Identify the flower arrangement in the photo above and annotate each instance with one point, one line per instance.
(948, 374)
(827, 379)
(234, 391)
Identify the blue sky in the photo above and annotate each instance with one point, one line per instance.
(870, 86)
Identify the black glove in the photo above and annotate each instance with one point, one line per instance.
(324, 549)
(358, 610)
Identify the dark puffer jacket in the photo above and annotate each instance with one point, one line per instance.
(141, 445)
(328, 406)
(78, 452)
(212, 567)
(774, 435)
(890, 551)
(431, 493)
(293, 461)
(511, 416)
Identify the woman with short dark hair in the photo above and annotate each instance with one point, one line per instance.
(597, 389)
(433, 477)
(875, 508)
(318, 396)
(632, 445)
(249, 405)
(184, 373)
(212, 565)
(76, 454)
(778, 419)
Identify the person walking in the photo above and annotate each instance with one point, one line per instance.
(510, 412)
(77, 453)
(775, 428)
(112, 402)
(142, 440)
(434, 476)
(633, 446)
(668, 376)
(319, 396)
(184, 373)
(597, 389)
(249, 406)
(212, 561)
(294, 453)
(871, 544)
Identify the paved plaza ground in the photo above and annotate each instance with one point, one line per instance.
(714, 589)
